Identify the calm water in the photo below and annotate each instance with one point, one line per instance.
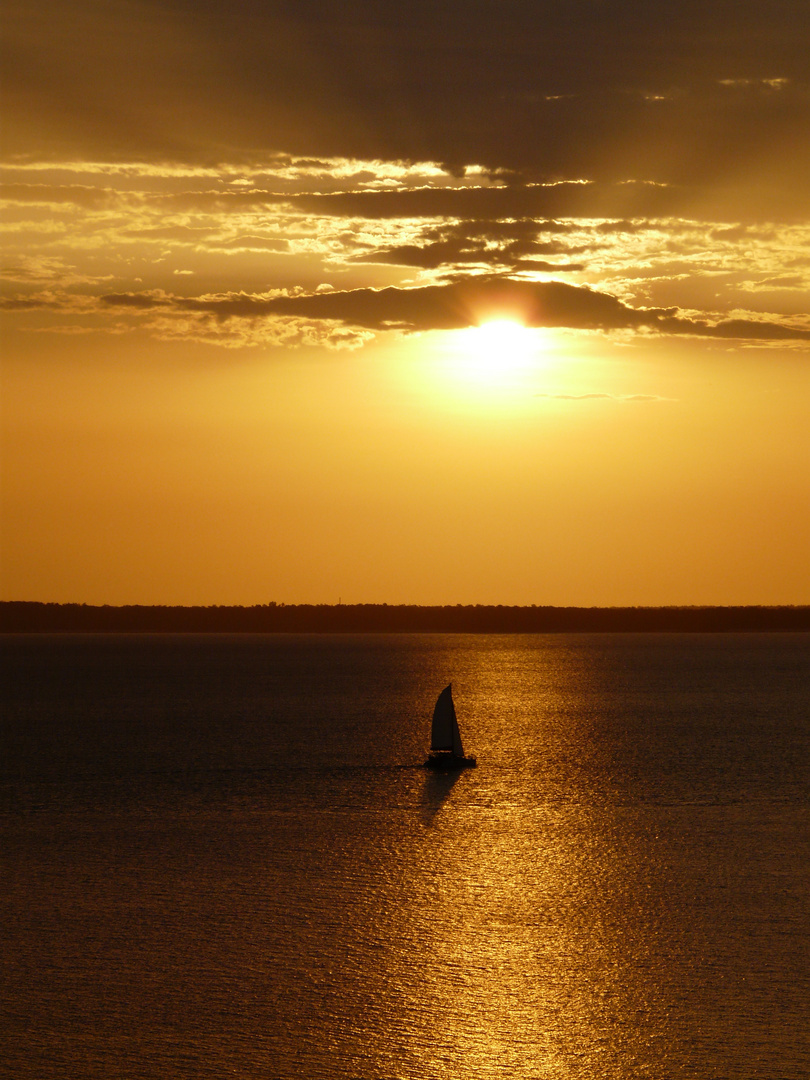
(220, 858)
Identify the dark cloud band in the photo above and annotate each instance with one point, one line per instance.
(463, 304)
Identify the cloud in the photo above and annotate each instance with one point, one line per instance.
(677, 91)
(455, 252)
(749, 329)
(51, 300)
(75, 194)
(25, 303)
(488, 243)
(142, 301)
(434, 307)
(35, 270)
(467, 303)
(159, 246)
(769, 284)
(178, 233)
(461, 304)
(732, 199)
(536, 201)
(239, 333)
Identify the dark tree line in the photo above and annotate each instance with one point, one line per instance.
(29, 617)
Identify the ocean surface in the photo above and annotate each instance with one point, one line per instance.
(220, 856)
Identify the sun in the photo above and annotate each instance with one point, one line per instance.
(498, 348)
(501, 335)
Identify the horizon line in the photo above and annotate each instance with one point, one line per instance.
(412, 604)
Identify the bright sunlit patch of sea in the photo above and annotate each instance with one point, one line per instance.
(222, 857)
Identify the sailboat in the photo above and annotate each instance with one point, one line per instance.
(446, 751)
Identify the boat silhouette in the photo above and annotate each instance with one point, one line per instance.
(446, 750)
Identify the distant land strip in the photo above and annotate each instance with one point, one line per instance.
(23, 617)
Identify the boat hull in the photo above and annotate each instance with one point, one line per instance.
(448, 762)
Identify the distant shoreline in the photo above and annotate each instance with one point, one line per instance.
(24, 617)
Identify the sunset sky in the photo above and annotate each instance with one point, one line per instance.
(454, 301)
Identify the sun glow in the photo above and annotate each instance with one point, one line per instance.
(497, 350)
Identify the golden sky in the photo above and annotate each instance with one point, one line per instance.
(493, 301)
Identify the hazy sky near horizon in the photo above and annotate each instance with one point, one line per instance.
(493, 301)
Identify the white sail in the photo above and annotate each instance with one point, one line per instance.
(444, 733)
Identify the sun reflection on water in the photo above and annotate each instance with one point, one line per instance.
(525, 893)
